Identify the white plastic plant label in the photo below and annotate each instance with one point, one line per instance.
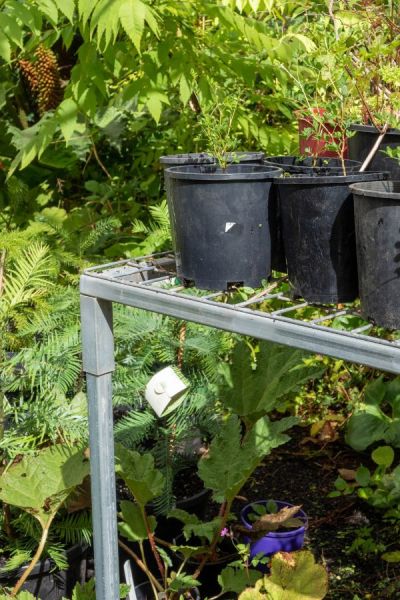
(164, 390)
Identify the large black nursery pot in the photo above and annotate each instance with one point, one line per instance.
(362, 141)
(319, 235)
(303, 166)
(48, 583)
(377, 217)
(220, 223)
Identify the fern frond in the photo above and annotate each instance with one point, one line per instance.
(28, 278)
(134, 428)
(74, 528)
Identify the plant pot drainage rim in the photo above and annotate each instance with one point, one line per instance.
(297, 162)
(378, 189)
(333, 179)
(236, 172)
(372, 129)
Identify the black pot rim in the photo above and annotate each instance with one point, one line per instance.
(207, 158)
(279, 161)
(182, 159)
(235, 172)
(372, 129)
(376, 189)
(332, 179)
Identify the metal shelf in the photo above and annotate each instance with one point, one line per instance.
(150, 283)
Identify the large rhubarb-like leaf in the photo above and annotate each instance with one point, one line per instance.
(296, 576)
(253, 392)
(230, 460)
(39, 484)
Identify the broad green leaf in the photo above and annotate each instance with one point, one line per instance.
(67, 114)
(105, 21)
(280, 370)
(32, 141)
(296, 576)
(183, 582)
(391, 557)
(138, 471)
(85, 9)
(49, 10)
(5, 48)
(84, 591)
(10, 28)
(133, 526)
(225, 476)
(205, 530)
(133, 14)
(39, 484)
(154, 102)
(67, 8)
(364, 428)
(184, 89)
(383, 456)
(363, 476)
(236, 580)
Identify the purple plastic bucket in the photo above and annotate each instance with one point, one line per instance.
(275, 541)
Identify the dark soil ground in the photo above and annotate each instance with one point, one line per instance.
(304, 474)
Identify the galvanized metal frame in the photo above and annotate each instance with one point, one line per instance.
(150, 283)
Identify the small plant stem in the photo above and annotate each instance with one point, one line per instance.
(374, 148)
(35, 559)
(142, 554)
(153, 546)
(224, 513)
(182, 338)
(99, 161)
(141, 564)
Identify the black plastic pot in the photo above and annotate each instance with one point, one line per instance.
(46, 582)
(377, 217)
(319, 236)
(296, 165)
(220, 223)
(362, 141)
(313, 166)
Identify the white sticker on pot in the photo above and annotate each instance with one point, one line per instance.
(229, 226)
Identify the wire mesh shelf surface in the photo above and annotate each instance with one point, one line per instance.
(151, 282)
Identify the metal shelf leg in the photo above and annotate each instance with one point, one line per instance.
(98, 363)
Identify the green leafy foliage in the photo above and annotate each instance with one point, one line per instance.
(139, 474)
(226, 478)
(378, 417)
(254, 391)
(236, 580)
(41, 484)
(133, 526)
(294, 576)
